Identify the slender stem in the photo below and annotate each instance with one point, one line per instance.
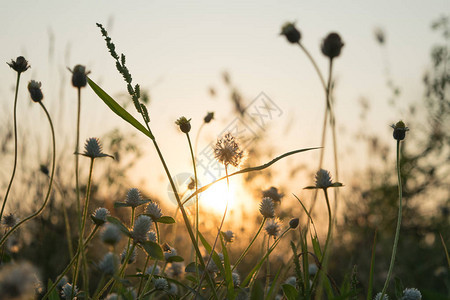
(147, 283)
(77, 149)
(248, 247)
(15, 146)
(267, 269)
(330, 226)
(72, 261)
(399, 222)
(313, 62)
(38, 212)
(218, 232)
(196, 199)
(83, 221)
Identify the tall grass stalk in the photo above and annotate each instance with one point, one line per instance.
(77, 163)
(50, 185)
(399, 222)
(15, 146)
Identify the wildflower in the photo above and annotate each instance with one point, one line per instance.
(378, 297)
(62, 282)
(292, 280)
(141, 228)
(176, 269)
(108, 264)
(169, 252)
(173, 289)
(134, 198)
(332, 45)
(273, 193)
(236, 279)
(293, 223)
(324, 181)
(411, 294)
(18, 281)
(272, 228)
(154, 211)
(34, 87)
(132, 257)
(161, 284)
(99, 216)
(66, 292)
(291, 33)
(228, 236)
(93, 149)
(79, 76)
(227, 151)
(152, 236)
(312, 269)
(44, 170)
(151, 271)
(191, 184)
(20, 65)
(111, 235)
(9, 221)
(209, 116)
(185, 124)
(266, 208)
(399, 130)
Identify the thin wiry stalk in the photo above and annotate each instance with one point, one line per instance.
(249, 245)
(399, 222)
(15, 147)
(72, 261)
(47, 197)
(218, 232)
(266, 289)
(77, 149)
(83, 222)
(145, 268)
(196, 198)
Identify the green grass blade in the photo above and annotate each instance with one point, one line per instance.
(227, 268)
(372, 267)
(290, 292)
(274, 284)
(119, 110)
(445, 249)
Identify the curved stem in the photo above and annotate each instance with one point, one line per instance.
(313, 62)
(399, 222)
(15, 147)
(72, 261)
(38, 212)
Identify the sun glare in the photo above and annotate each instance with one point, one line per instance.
(215, 198)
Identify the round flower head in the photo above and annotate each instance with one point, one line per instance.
(209, 116)
(400, 130)
(323, 181)
(168, 253)
(20, 65)
(141, 228)
(62, 282)
(154, 211)
(152, 236)
(9, 221)
(173, 289)
(332, 45)
(291, 33)
(312, 269)
(132, 257)
(292, 280)
(411, 294)
(272, 228)
(34, 87)
(99, 216)
(378, 297)
(150, 270)
(228, 236)
(161, 284)
(266, 208)
(236, 279)
(227, 151)
(66, 292)
(79, 76)
(108, 264)
(273, 193)
(185, 124)
(293, 223)
(18, 281)
(93, 149)
(110, 235)
(176, 269)
(134, 198)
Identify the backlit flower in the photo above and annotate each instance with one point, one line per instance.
(227, 151)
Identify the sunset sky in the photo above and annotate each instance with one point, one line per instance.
(177, 51)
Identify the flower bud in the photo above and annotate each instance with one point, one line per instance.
(291, 32)
(20, 65)
(79, 76)
(209, 116)
(161, 284)
(266, 208)
(332, 45)
(293, 223)
(99, 216)
(411, 294)
(399, 130)
(34, 87)
(185, 124)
